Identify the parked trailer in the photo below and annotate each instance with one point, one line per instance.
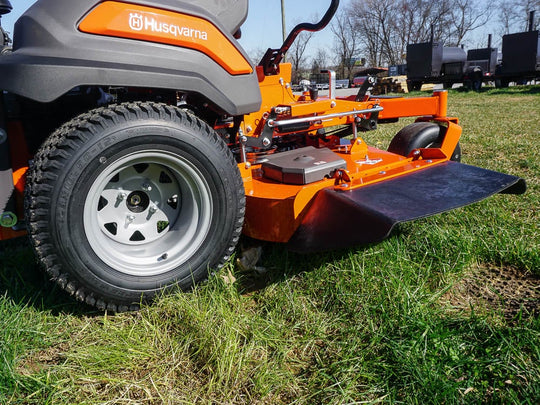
(432, 62)
(521, 58)
(480, 67)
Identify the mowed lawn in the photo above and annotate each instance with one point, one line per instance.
(444, 311)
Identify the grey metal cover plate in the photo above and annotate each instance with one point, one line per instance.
(302, 166)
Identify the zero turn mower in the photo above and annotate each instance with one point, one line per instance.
(138, 142)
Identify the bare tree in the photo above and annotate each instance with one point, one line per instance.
(256, 55)
(346, 42)
(371, 19)
(296, 55)
(513, 15)
(387, 26)
(319, 61)
(467, 16)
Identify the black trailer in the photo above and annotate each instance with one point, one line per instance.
(481, 66)
(431, 62)
(520, 60)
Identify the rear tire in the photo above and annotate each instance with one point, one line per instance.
(502, 83)
(420, 135)
(128, 201)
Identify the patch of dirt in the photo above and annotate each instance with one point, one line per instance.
(38, 361)
(506, 289)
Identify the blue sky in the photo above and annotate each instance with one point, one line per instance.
(262, 29)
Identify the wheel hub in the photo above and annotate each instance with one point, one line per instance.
(146, 204)
(138, 201)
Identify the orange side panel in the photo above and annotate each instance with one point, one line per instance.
(17, 145)
(8, 233)
(132, 21)
(414, 107)
(19, 162)
(19, 155)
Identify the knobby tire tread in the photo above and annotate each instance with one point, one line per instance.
(47, 163)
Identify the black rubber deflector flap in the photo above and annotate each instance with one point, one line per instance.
(339, 219)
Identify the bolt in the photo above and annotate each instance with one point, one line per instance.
(153, 209)
(147, 187)
(122, 196)
(130, 218)
(266, 142)
(8, 220)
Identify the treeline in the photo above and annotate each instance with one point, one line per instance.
(377, 32)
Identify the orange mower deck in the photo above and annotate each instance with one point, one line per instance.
(361, 202)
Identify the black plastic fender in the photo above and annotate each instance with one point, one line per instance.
(338, 219)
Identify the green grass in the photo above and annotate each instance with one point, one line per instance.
(405, 320)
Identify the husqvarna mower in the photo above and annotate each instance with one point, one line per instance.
(138, 142)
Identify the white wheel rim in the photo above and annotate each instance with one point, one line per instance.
(147, 213)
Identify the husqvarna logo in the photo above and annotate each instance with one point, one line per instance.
(136, 22)
(139, 22)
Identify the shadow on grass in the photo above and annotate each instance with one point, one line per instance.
(22, 281)
(25, 284)
(277, 263)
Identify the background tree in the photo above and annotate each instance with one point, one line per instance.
(296, 55)
(513, 15)
(346, 42)
(387, 26)
(319, 61)
(256, 55)
(467, 16)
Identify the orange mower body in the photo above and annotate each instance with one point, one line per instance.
(308, 214)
